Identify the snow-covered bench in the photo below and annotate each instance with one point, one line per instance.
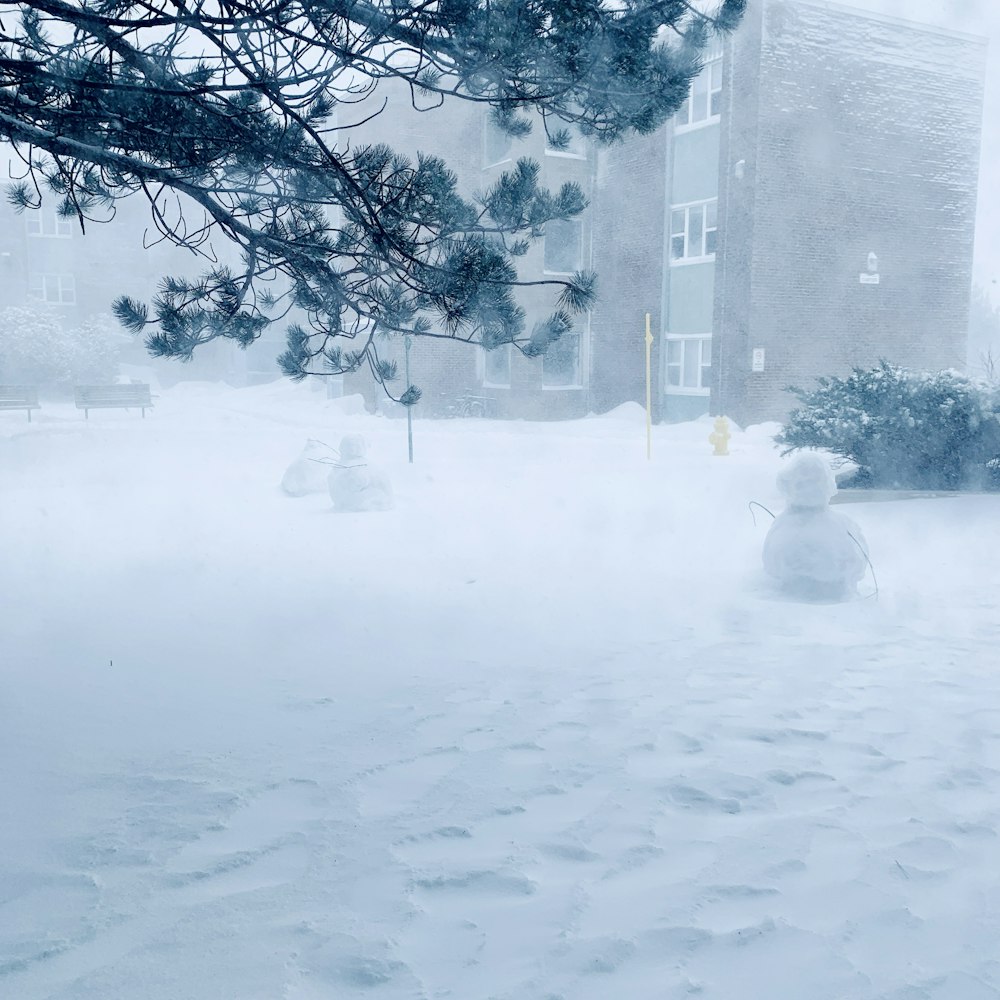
(19, 397)
(126, 396)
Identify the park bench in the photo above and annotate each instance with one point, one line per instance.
(19, 397)
(126, 397)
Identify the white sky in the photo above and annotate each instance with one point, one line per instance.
(976, 17)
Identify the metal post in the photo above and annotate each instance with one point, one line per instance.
(409, 409)
(649, 392)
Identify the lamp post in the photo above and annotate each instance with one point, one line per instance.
(409, 408)
(649, 402)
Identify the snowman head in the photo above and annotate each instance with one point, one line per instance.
(352, 448)
(807, 482)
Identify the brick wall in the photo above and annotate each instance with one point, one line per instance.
(866, 139)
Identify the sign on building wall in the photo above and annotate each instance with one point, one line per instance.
(757, 360)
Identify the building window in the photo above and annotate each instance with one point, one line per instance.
(45, 221)
(563, 246)
(704, 101)
(689, 364)
(56, 288)
(496, 143)
(693, 230)
(496, 367)
(562, 363)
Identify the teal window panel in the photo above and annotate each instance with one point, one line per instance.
(691, 298)
(695, 172)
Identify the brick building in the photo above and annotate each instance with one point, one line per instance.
(848, 168)
(811, 207)
(818, 212)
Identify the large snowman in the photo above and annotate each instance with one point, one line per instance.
(813, 553)
(355, 484)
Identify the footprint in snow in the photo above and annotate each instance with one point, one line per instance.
(263, 844)
(44, 915)
(925, 856)
(787, 735)
(568, 852)
(602, 956)
(340, 965)
(442, 832)
(491, 883)
(394, 788)
(790, 778)
(688, 797)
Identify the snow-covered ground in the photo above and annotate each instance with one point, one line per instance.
(539, 732)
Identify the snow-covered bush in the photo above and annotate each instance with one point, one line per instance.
(922, 430)
(94, 347)
(36, 348)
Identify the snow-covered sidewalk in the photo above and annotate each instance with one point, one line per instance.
(538, 732)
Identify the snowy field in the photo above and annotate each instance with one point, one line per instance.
(538, 733)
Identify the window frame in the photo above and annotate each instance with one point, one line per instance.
(713, 61)
(65, 283)
(704, 353)
(705, 256)
(38, 217)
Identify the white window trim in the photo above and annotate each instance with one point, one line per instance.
(683, 207)
(673, 390)
(498, 163)
(564, 154)
(685, 261)
(682, 390)
(695, 126)
(678, 205)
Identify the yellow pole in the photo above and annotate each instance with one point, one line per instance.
(649, 392)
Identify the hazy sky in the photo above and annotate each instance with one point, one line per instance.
(976, 17)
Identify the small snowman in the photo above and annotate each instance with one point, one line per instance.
(814, 553)
(355, 484)
(308, 473)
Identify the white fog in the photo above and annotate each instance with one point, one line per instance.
(650, 665)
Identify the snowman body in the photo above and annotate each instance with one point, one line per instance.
(355, 484)
(812, 552)
(308, 473)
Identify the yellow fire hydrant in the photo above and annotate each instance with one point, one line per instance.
(719, 438)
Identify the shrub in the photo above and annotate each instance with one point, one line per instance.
(918, 430)
(36, 349)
